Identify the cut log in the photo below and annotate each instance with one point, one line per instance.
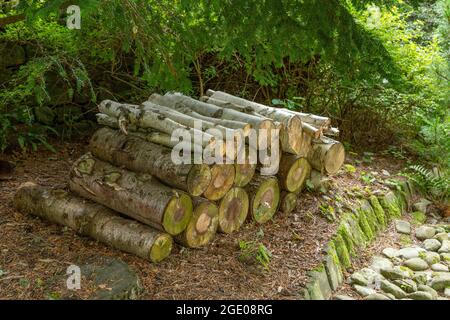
(246, 170)
(222, 179)
(233, 210)
(288, 202)
(146, 119)
(140, 196)
(156, 137)
(232, 124)
(293, 172)
(203, 225)
(177, 100)
(264, 193)
(94, 220)
(326, 155)
(291, 129)
(138, 155)
(306, 144)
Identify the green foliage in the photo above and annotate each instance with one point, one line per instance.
(434, 183)
(255, 252)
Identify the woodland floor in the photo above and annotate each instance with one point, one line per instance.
(34, 254)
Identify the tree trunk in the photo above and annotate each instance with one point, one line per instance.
(155, 136)
(288, 202)
(139, 196)
(203, 225)
(144, 118)
(264, 193)
(291, 129)
(326, 155)
(177, 100)
(94, 220)
(293, 172)
(232, 124)
(138, 155)
(222, 179)
(233, 210)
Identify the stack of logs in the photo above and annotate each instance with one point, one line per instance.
(129, 172)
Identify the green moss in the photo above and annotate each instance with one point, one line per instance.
(342, 252)
(367, 210)
(405, 239)
(390, 205)
(347, 237)
(365, 227)
(418, 217)
(378, 209)
(331, 251)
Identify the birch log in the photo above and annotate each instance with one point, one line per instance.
(233, 210)
(293, 172)
(326, 155)
(222, 179)
(138, 155)
(288, 202)
(203, 225)
(139, 196)
(94, 220)
(264, 193)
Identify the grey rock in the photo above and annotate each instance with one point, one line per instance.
(430, 290)
(440, 281)
(396, 273)
(390, 253)
(334, 272)
(416, 264)
(421, 205)
(421, 277)
(410, 252)
(441, 236)
(425, 232)
(403, 226)
(439, 267)
(445, 248)
(119, 281)
(318, 286)
(430, 257)
(389, 287)
(406, 285)
(447, 292)
(379, 263)
(359, 279)
(420, 295)
(376, 296)
(342, 297)
(364, 291)
(445, 257)
(431, 244)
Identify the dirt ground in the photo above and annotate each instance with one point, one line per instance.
(34, 254)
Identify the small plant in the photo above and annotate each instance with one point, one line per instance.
(254, 252)
(349, 169)
(433, 183)
(367, 177)
(328, 212)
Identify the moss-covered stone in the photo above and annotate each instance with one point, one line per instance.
(318, 286)
(389, 202)
(333, 267)
(366, 209)
(378, 210)
(348, 239)
(342, 252)
(418, 217)
(351, 222)
(365, 227)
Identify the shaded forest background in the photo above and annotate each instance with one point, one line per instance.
(380, 71)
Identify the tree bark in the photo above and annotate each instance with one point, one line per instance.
(203, 225)
(138, 155)
(264, 193)
(233, 210)
(291, 129)
(94, 220)
(139, 196)
(326, 155)
(142, 118)
(293, 172)
(222, 179)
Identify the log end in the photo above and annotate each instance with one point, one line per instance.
(202, 227)
(233, 210)
(244, 173)
(266, 200)
(288, 202)
(294, 135)
(335, 157)
(177, 214)
(161, 248)
(198, 179)
(297, 175)
(222, 179)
